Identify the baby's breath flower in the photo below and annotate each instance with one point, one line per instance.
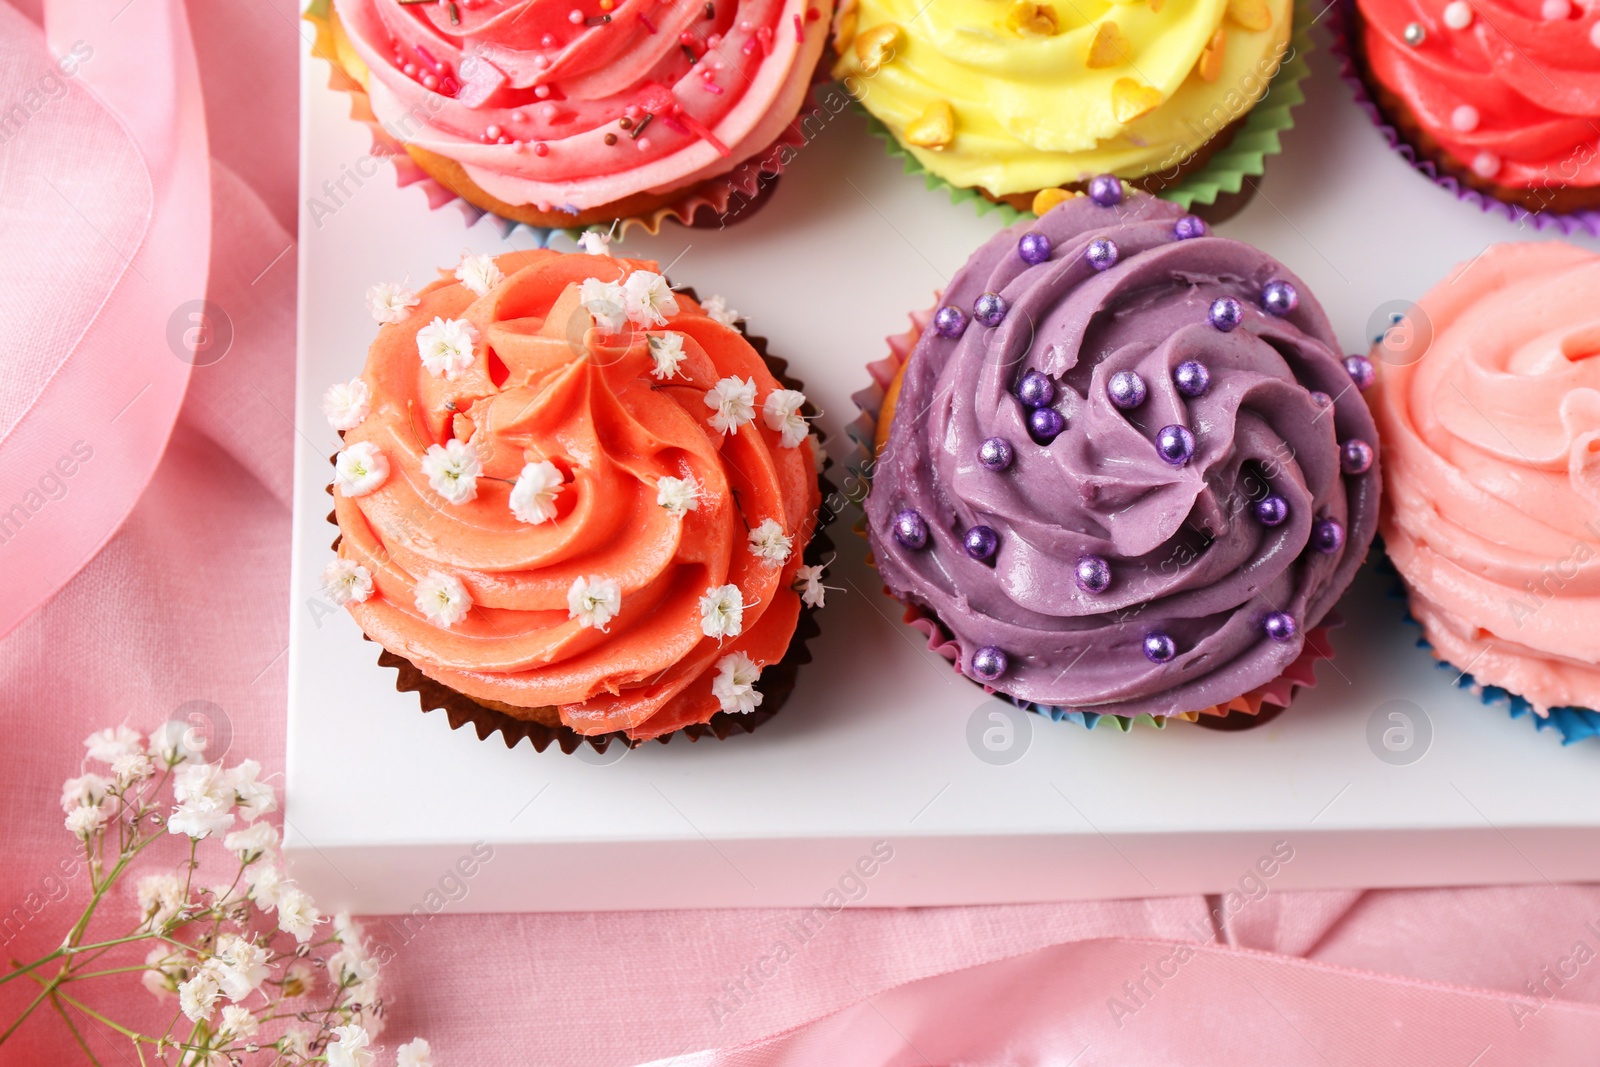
(734, 402)
(390, 302)
(197, 997)
(678, 495)
(297, 914)
(350, 1047)
(770, 544)
(344, 581)
(478, 273)
(782, 413)
(106, 745)
(442, 599)
(85, 822)
(533, 497)
(85, 790)
(415, 1053)
(722, 612)
(648, 298)
(594, 601)
(453, 469)
(256, 798)
(735, 684)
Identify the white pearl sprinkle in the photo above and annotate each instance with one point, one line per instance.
(574, 16)
(1464, 118)
(1486, 165)
(1458, 14)
(1556, 9)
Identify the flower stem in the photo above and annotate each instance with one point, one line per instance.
(55, 1002)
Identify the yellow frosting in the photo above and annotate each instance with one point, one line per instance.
(1115, 89)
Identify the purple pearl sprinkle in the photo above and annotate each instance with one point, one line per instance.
(1159, 647)
(1361, 371)
(1105, 190)
(1126, 389)
(911, 529)
(1272, 510)
(981, 542)
(1034, 247)
(1278, 297)
(950, 321)
(1321, 399)
(1188, 228)
(990, 309)
(1175, 444)
(1192, 378)
(1093, 574)
(1280, 626)
(996, 453)
(1036, 390)
(1356, 456)
(1226, 313)
(989, 663)
(1101, 253)
(1327, 535)
(1045, 424)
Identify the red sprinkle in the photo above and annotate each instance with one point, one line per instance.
(712, 87)
(764, 35)
(541, 149)
(799, 30)
(812, 14)
(749, 46)
(686, 37)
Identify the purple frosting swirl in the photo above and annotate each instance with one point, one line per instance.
(1188, 555)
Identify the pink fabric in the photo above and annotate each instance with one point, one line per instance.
(186, 602)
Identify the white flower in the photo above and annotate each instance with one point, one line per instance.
(238, 1024)
(160, 898)
(266, 882)
(390, 302)
(163, 971)
(722, 612)
(808, 579)
(770, 543)
(198, 820)
(594, 601)
(819, 455)
(453, 469)
(648, 298)
(351, 1048)
(299, 979)
(735, 684)
(351, 966)
(84, 821)
(734, 401)
(445, 346)
(203, 783)
(241, 966)
(782, 412)
(254, 841)
(346, 930)
(132, 766)
(295, 1043)
(170, 743)
(678, 495)
(533, 498)
(717, 309)
(478, 273)
(595, 243)
(346, 404)
(442, 599)
(198, 996)
(607, 302)
(297, 914)
(415, 1053)
(106, 745)
(667, 351)
(344, 581)
(255, 797)
(85, 790)
(360, 469)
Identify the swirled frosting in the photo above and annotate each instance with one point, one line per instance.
(1039, 95)
(573, 104)
(1506, 90)
(1188, 556)
(1492, 450)
(544, 384)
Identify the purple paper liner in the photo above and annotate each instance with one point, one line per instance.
(1341, 27)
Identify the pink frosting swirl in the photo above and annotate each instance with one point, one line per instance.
(1491, 443)
(533, 104)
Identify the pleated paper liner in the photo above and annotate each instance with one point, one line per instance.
(775, 684)
(869, 432)
(1574, 724)
(709, 204)
(1427, 157)
(1220, 182)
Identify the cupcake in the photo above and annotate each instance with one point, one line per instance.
(1015, 97)
(1499, 96)
(1125, 469)
(1491, 444)
(565, 115)
(574, 502)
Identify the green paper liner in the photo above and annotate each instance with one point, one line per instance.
(1257, 136)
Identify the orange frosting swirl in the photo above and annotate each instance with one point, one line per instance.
(547, 384)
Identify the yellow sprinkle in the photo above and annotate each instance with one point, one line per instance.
(606, 5)
(1251, 14)
(1130, 99)
(876, 46)
(934, 128)
(844, 25)
(1108, 48)
(1045, 199)
(1026, 18)
(1210, 65)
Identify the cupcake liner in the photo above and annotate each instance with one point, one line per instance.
(1574, 724)
(1221, 181)
(1342, 22)
(751, 181)
(1254, 708)
(775, 684)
